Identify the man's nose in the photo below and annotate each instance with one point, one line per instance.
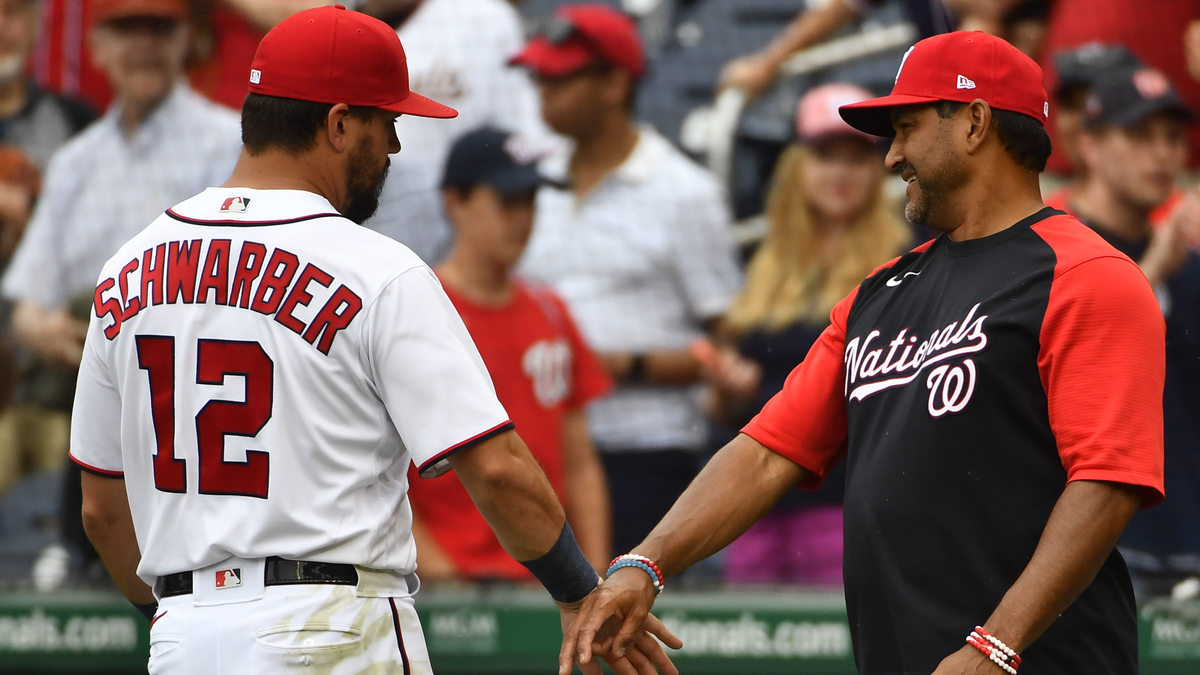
(895, 156)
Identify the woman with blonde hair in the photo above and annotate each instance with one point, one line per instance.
(831, 225)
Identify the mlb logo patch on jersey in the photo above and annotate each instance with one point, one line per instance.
(235, 205)
(230, 578)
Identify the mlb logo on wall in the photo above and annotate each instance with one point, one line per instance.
(230, 578)
(235, 205)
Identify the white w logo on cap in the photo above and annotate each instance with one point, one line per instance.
(964, 83)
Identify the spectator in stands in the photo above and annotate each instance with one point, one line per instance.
(458, 51)
(640, 247)
(831, 225)
(158, 143)
(543, 371)
(1134, 147)
(20, 452)
(35, 121)
(62, 60)
(33, 125)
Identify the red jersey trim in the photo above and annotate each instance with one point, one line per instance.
(249, 223)
(474, 440)
(95, 469)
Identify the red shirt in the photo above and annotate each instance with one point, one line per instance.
(542, 369)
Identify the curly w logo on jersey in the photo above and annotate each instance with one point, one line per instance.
(907, 357)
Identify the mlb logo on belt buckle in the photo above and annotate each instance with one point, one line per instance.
(230, 578)
(235, 204)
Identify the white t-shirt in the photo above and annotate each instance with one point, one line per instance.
(261, 371)
(458, 52)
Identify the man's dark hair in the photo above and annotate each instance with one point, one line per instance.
(271, 122)
(1024, 138)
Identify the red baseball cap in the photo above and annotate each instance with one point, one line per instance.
(960, 66)
(580, 35)
(332, 55)
(104, 11)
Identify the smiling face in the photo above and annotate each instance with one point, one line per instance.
(923, 153)
(142, 56)
(1139, 164)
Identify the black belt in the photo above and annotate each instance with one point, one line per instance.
(279, 572)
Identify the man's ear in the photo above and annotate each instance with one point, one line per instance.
(335, 127)
(980, 123)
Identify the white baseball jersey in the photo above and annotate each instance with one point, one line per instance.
(261, 371)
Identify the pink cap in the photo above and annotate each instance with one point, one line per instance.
(817, 116)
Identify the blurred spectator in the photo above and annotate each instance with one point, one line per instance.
(20, 184)
(35, 121)
(458, 54)
(831, 225)
(1078, 70)
(756, 72)
(227, 37)
(640, 248)
(1134, 148)
(1154, 31)
(159, 143)
(543, 371)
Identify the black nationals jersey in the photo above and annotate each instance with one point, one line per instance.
(966, 383)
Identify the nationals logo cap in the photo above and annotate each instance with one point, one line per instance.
(332, 55)
(960, 66)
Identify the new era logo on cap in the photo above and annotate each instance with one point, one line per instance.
(964, 83)
(230, 578)
(235, 205)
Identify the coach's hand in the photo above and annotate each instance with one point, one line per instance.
(967, 661)
(615, 623)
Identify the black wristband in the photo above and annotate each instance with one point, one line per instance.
(147, 609)
(565, 571)
(637, 368)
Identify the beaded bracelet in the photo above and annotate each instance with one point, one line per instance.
(996, 651)
(641, 563)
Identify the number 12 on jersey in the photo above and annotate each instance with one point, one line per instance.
(217, 419)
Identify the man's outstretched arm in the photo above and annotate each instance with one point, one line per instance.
(737, 488)
(1080, 535)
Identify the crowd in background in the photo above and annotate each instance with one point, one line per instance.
(628, 328)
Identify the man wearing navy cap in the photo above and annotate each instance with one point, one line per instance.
(259, 374)
(996, 394)
(1134, 146)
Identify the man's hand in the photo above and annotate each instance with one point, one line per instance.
(967, 661)
(753, 74)
(615, 623)
(1169, 244)
(55, 336)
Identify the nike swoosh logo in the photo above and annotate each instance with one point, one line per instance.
(896, 281)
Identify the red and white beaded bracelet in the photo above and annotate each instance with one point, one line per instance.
(995, 649)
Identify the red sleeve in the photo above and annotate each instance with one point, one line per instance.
(589, 379)
(806, 421)
(1102, 364)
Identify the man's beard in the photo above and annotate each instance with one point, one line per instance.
(363, 193)
(932, 187)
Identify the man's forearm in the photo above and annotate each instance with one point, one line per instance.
(109, 526)
(667, 367)
(737, 488)
(810, 28)
(512, 493)
(266, 14)
(1080, 535)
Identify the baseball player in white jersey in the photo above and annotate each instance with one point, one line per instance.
(258, 374)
